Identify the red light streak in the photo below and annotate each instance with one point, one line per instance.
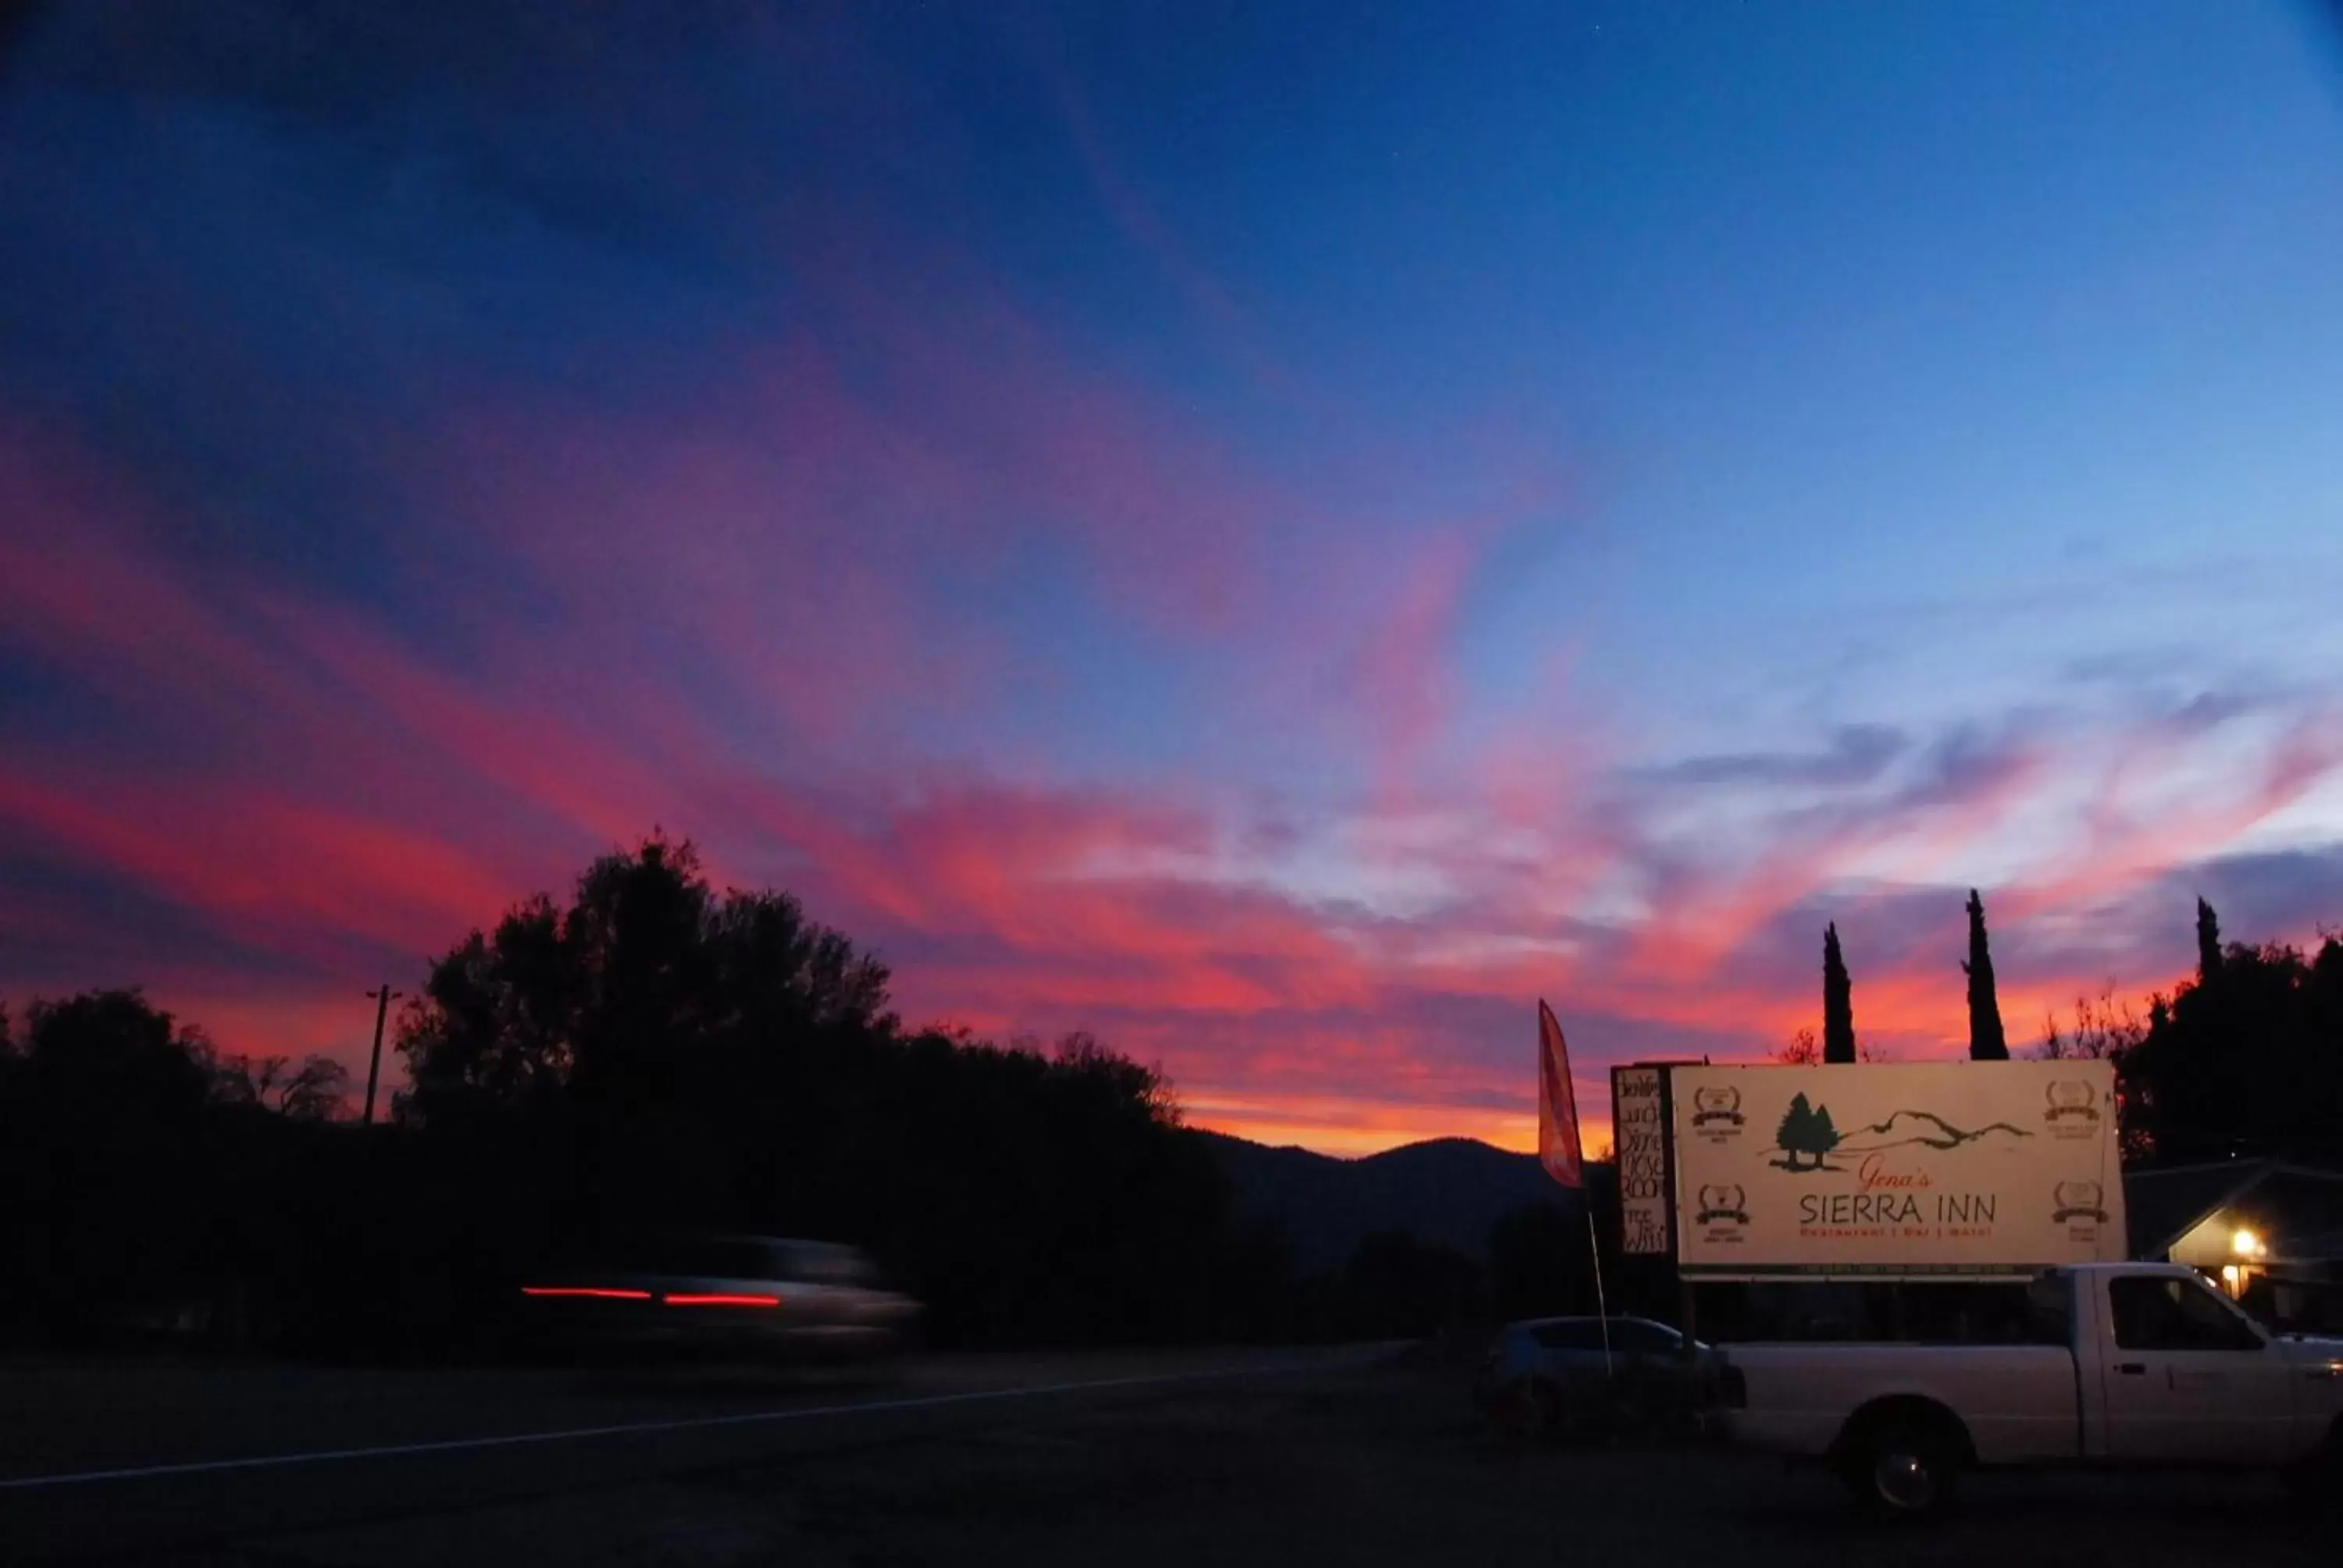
(591, 1291)
(722, 1300)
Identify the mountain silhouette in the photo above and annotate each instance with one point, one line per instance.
(1446, 1191)
(1945, 1135)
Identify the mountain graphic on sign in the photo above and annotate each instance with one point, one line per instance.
(1807, 1131)
(1924, 1128)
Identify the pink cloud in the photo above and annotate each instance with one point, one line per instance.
(270, 871)
(2124, 848)
(350, 791)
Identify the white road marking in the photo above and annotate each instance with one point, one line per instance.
(685, 1423)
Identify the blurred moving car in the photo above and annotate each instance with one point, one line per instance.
(1549, 1377)
(751, 1293)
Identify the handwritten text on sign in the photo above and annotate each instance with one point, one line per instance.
(1639, 1129)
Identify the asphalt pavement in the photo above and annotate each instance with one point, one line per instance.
(1365, 1458)
(141, 1457)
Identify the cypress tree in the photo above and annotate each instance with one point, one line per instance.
(1986, 1043)
(1838, 1002)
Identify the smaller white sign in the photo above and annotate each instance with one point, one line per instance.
(1639, 1135)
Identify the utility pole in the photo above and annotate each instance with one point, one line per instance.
(382, 998)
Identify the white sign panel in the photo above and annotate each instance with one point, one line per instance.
(1895, 1171)
(1640, 1134)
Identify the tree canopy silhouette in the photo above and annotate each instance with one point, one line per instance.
(643, 984)
(1986, 1041)
(117, 1129)
(2103, 1030)
(2244, 1060)
(1803, 1050)
(1838, 1002)
(644, 1055)
(650, 1054)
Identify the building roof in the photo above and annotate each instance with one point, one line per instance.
(2162, 1206)
(2316, 1247)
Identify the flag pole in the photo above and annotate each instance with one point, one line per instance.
(1594, 1251)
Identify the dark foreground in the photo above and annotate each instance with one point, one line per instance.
(1220, 1459)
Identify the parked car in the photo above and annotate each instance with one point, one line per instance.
(751, 1293)
(2130, 1363)
(1550, 1376)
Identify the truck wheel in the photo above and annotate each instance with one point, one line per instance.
(1902, 1469)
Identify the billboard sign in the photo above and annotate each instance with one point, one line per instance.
(1892, 1170)
(1639, 1133)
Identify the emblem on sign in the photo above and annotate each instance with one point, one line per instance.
(2079, 1201)
(2071, 1099)
(1722, 1205)
(1716, 1105)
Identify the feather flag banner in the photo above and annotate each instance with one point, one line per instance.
(1558, 1148)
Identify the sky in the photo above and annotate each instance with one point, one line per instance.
(1277, 534)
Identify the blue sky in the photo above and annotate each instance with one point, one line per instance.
(1275, 533)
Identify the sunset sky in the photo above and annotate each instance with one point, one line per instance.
(1277, 534)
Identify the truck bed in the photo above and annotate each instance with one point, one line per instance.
(2021, 1402)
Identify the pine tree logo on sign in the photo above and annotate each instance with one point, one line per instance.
(1808, 1132)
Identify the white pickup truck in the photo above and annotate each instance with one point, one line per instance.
(2132, 1363)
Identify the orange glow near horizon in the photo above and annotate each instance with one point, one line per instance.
(1353, 1128)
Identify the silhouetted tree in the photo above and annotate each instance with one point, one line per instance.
(647, 1055)
(1801, 1051)
(1986, 1041)
(2103, 1030)
(311, 1092)
(2245, 1059)
(652, 1053)
(644, 977)
(103, 1154)
(1838, 1002)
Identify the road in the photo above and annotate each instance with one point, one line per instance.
(1230, 1459)
(139, 1456)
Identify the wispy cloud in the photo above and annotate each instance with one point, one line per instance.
(1856, 754)
(435, 452)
